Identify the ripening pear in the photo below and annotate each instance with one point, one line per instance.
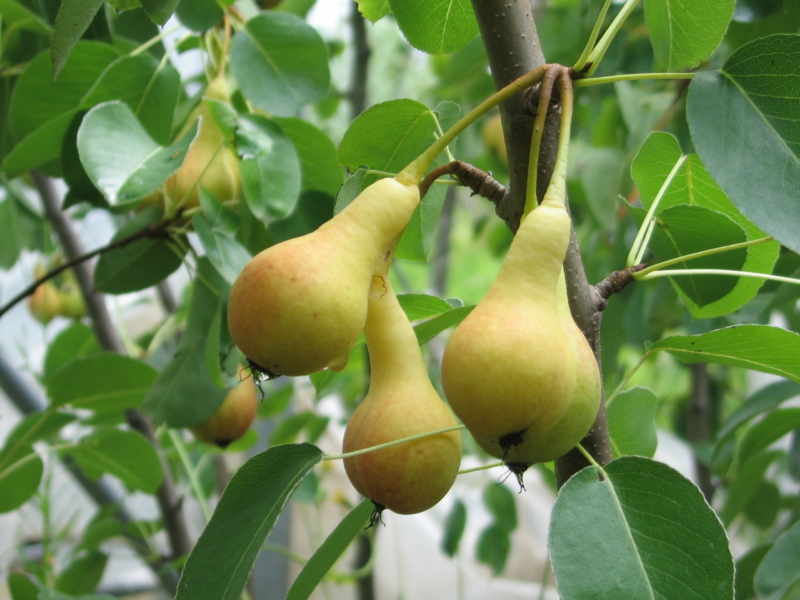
(233, 417)
(210, 162)
(45, 303)
(72, 302)
(300, 306)
(401, 402)
(508, 369)
(580, 415)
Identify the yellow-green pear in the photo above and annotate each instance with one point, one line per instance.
(401, 402)
(580, 415)
(493, 138)
(233, 417)
(72, 302)
(45, 303)
(508, 369)
(300, 306)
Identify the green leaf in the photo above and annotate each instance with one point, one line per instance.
(685, 33)
(422, 306)
(159, 11)
(640, 531)
(74, 18)
(329, 552)
(20, 16)
(22, 228)
(73, 342)
(429, 329)
(686, 229)
(41, 109)
(199, 15)
(220, 564)
(149, 88)
(743, 119)
(757, 347)
(225, 253)
(694, 186)
(599, 170)
(387, 136)
(744, 483)
(493, 548)
(270, 167)
(319, 163)
(779, 571)
(121, 158)
(140, 264)
(764, 400)
(38, 426)
(287, 430)
(19, 480)
(82, 574)
(502, 506)
(374, 10)
(101, 382)
(124, 454)
(762, 510)
(454, 527)
(219, 217)
(280, 63)
(746, 566)
(186, 391)
(21, 587)
(771, 428)
(631, 422)
(438, 27)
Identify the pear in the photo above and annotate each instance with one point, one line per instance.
(210, 162)
(300, 306)
(493, 138)
(580, 415)
(508, 369)
(45, 303)
(233, 417)
(401, 402)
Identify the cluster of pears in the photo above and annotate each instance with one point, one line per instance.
(51, 300)
(233, 417)
(210, 161)
(517, 371)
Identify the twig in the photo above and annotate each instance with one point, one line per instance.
(153, 231)
(480, 182)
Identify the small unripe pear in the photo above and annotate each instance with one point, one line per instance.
(300, 306)
(493, 138)
(45, 303)
(73, 305)
(401, 402)
(233, 417)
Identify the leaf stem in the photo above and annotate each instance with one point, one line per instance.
(589, 457)
(154, 40)
(481, 468)
(627, 378)
(709, 252)
(596, 55)
(579, 83)
(419, 436)
(671, 273)
(593, 37)
(648, 225)
(191, 473)
(415, 171)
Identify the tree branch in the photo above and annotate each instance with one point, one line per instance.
(169, 502)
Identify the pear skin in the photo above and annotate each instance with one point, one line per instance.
(300, 306)
(45, 303)
(508, 368)
(233, 417)
(413, 476)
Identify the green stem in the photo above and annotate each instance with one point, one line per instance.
(483, 468)
(415, 171)
(154, 40)
(589, 457)
(191, 473)
(630, 77)
(599, 51)
(672, 273)
(390, 444)
(627, 378)
(33, 456)
(648, 225)
(694, 255)
(556, 194)
(593, 37)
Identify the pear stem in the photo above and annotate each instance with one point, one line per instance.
(556, 194)
(419, 436)
(545, 95)
(415, 171)
(709, 252)
(483, 468)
